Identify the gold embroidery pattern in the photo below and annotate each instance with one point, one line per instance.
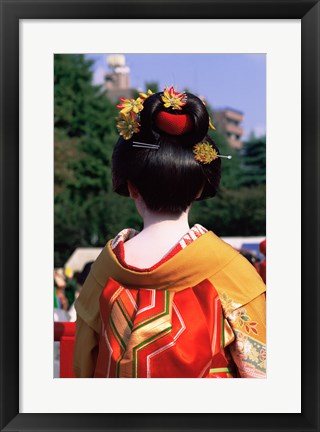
(238, 317)
(228, 304)
(243, 321)
(250, 351)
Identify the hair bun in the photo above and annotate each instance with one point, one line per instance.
(190, 121)
(173, 124)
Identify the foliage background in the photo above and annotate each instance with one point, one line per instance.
(88, 213)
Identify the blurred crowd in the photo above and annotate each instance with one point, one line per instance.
(259, 262)
(67, 287)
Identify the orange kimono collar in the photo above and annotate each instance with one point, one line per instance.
(201, 259)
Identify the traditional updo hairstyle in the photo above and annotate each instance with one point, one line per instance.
(168, 178)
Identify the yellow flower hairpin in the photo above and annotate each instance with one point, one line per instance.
(127, 125)
(128, 105)
(205, 153)
(145, 96)
(173, 99)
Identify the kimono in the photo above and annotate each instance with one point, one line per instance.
(197, 313)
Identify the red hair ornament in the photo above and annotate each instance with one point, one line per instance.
(173, 124)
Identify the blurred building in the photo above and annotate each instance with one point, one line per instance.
(117, 82)
(228, 122)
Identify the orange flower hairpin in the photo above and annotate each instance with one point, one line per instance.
(173, 99)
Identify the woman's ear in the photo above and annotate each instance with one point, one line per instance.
(133, 191)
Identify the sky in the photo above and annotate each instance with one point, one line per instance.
(236, 81)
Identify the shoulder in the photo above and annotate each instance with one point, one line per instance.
(236, 280)
(220, 252)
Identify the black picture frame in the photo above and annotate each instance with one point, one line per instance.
(11, 12)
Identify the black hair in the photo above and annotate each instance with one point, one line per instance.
(168, 178)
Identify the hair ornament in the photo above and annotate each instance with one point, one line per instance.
(205, 153)
(145, 96)
(128, 105)
(127, 125)
(211, 126)
(173, 99)
(145, 145)
(128, 121)
(173, 124)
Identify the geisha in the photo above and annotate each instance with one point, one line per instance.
(170, 301)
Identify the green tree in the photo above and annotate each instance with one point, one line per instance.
(254, 162)
(230, 168)
(152, 85)
(240, 212)
(85, 135)
(72, 92)
(239, 209)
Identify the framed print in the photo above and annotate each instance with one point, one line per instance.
(287, 33)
